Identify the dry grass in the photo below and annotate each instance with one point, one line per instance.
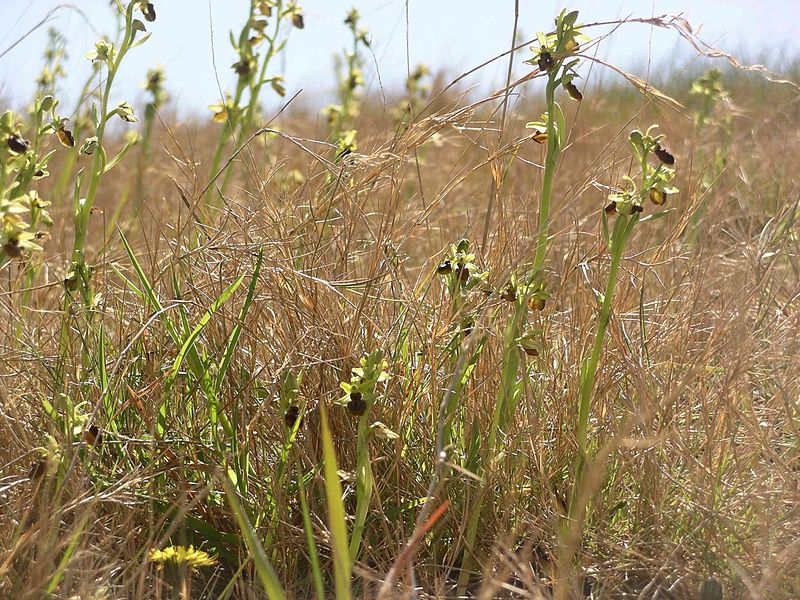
(695, 410)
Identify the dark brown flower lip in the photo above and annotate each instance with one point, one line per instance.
(664, 156)
(536, 303)
(545, 61)
(65, 137)
(657, 196)
(509, 293)
(444, 268)
(37, 469)
(12, 248)
(291, 415)
(149, 12)
(17, 144)
(357, 406)
(93, 436)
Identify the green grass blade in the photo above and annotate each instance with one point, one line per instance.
(69, 553)
(188, 344)
(313, 556)
(342, 568)
(106, 399)
(147, 287)
(237, 330)
(266, 574)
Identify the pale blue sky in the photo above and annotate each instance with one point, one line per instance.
(445, 34)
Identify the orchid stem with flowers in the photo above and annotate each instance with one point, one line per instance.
(342, 116)
(251, 69)
(359, 397)
(627, 205)
(111, 56)
(555, 56)
(552, 58)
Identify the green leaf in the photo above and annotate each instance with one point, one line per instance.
(570, 18)
(141, 40)
(266, 574)
(656, 215)
(121, 154)
(198, 329)
(560, 126)
(233, 339)
(342, 567)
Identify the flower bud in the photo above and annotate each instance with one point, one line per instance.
(657, 196)
(90, 145)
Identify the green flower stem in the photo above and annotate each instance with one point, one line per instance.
(145, 156)
(247, 122)
(364, 482)
(234, 121)
(82, 208)
(348, 96)
(231, 119)
(503, 411)
(225, 134)
(553, 151)
(255, 89)
(622, 231)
